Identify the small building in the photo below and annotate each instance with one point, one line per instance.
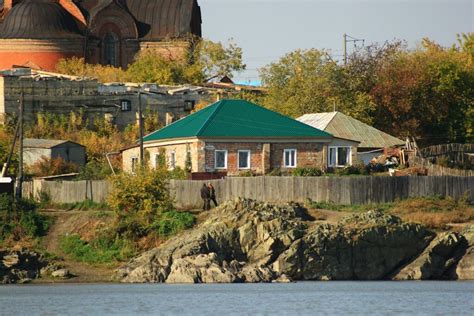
(35, 149)
(372, 141)
(231, 137)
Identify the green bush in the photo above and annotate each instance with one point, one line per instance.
(178, 174)
(101, 250)
(20, 219)
(171, 223)
(95, 170)
(307, 172)
(351, 170)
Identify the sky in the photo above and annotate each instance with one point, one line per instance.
(268, 29)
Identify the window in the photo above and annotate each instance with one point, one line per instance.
(134, 164)
(125, 105)
(110, 49)
(244, 159)
(221, 159)
(339, 156)
(189, 105)
(172, 162)
(289, 158)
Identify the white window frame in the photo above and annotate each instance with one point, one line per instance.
(172, 162)
(295, 163)
(225, 159)
(349, 158)
(248, 159)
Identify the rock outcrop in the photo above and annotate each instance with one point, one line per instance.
(20, 266)
(248, 241)
(437, 259)
(465, 267)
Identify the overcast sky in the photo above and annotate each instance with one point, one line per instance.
(267, 29)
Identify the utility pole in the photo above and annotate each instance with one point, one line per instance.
(140, 125)
(19, 179)
(347, 39)
(345, 48)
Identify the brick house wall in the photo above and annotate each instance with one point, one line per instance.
(264, 156)
(309, 155)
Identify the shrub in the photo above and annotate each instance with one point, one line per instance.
(101, 250)
(170, 223)
(275, 173)
(95, 170)
(145, 193)
(351, 170)
(307, 172)
(20, 219)
(178, 174)
(47, 167)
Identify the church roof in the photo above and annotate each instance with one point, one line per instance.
(237, 119)
(343, 126)
(159, 19)
(38, 19)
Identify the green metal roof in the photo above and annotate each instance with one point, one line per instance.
(343, 126)
(236, 119)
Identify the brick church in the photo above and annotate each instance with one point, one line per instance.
(38, 33)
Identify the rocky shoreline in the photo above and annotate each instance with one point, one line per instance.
(249, 241)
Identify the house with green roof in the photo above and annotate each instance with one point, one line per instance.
(231, 137)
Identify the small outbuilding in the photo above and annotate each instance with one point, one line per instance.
(231, 137)
(372, 142)
(34, 149)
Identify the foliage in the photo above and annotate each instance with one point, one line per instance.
(143, 196)
(310, 81)
(101, 250)
(20, 219)
(351, 170)
(307, 172)
(95, 170)
(204, 61)
(52, 166)
(172, 222)
(426, 92)
(178, 174)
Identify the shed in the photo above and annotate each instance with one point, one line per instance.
(34, 149)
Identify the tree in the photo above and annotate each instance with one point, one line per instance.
(310, 81)
(427, 93)
(205, 60)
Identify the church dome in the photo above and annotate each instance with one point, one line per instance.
(38, 19)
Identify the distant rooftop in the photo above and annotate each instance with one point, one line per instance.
(45, 143)
(343, 126)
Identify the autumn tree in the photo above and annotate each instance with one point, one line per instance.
(205, 60)
(310, 81)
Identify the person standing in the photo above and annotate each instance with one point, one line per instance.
(205, 196)
(212, 194)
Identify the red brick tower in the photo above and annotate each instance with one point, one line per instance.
(38, 33)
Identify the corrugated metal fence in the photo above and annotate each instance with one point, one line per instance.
(340, 190)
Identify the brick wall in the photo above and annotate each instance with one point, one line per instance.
(309, 155)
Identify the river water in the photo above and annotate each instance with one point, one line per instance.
(302, 298)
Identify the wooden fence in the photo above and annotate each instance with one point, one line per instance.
(340, 190)
(437, 170)
(68, 191)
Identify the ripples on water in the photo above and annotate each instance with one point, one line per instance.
(303, 298)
